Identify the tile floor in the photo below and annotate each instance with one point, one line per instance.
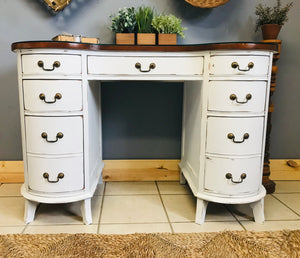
(129, 207)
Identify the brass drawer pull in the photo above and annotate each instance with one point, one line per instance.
(56, 64)
(59, 176)
(235, 65)
(58, 136)
(231, 136)
(234, 97)
(242, 177)
(56, 97)
(139, 66)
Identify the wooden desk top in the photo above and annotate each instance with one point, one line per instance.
(154, 48)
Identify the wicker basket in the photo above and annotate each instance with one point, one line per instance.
(207, 3)
(57, 5)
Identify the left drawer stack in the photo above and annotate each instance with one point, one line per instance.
(53, 123)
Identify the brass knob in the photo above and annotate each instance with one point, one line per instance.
(138, 65)
(234, 65)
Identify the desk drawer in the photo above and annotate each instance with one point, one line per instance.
(229, 135)
(237, 96)
(141, 65)
(54, 175)
(239, 65)
(232, 176)
(51, 64)
(52, 95)
(54, 135)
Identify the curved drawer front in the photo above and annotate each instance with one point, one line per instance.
(237, 96)
(239, 65)
(54, 135)
(52, 95)
(228, 135)
(143, 65)
(51, 64)
(232, 176)
(54, 175)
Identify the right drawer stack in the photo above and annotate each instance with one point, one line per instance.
(235, 124)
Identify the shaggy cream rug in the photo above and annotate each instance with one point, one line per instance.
(223, 244)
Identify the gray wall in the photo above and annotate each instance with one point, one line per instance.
(129, 134)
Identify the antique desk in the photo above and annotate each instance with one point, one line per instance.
(226, 93)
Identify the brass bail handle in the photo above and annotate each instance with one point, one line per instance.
(59, 176)
(235, 65)
(56, 64)
(242, 177)
(139, 67)
(59, 135)
(231, 136)
(57, 96)
(233, 97)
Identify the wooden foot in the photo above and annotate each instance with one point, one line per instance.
(30, 208)
(86, 211)
(258, 211)
(182, 180)
(201, 211)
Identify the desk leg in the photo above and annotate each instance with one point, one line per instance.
(258, 211)
(182, 179)
(86, 211)
(201, 211)
(30, 208)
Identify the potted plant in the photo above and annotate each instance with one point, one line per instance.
(124, 25)
(168, 27)
(270, 19)
(145, 32)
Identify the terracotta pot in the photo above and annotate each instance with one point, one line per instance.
(270, 31)
(146, 39)
(167, 39)
(125, 38)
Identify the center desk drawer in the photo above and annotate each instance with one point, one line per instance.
(234, 136)
(54, 175)
(54, 135)
(51, 64)
(52, 95)
(141, 65)
(239, 65)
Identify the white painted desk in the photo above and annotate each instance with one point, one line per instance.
(225, 108)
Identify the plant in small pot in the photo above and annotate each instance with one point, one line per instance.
(270, 19)
(168, 27)
(124, 25)
(145, 32)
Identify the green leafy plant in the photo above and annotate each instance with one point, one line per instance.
(272, 15)
(144, 16)
(125, 21)
(168, 24)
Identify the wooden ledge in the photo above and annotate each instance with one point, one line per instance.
(145, 170)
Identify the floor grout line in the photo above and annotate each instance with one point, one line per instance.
(170, 224)
(237, 220)
(101, 208)
(285, 205)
